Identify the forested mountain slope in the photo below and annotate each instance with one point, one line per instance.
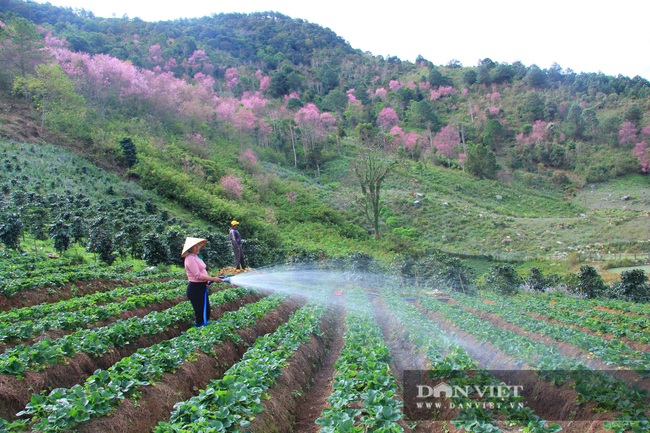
(275, 121)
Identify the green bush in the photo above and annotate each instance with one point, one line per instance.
(536, 280)
(156, 252)
(503, 279)
(633, 287)
(590, 283)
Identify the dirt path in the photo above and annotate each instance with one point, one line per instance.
(405, 357)
(312, 401)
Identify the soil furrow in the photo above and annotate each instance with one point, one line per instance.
(16, 392)
(157, 401)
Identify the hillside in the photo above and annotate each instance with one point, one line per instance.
(398, 218)
(264, 118)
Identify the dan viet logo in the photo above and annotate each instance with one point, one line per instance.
(443, 390)
(445, 396)
(437, 395)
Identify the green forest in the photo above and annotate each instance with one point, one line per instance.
(121, 137)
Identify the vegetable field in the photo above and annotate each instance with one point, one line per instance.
(117, 353)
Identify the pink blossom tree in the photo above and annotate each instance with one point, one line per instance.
(539, 134)
(108, 82)
(156, 55)
(199, 62)
(244, 122)
(226, 109)
(232, 77)
(265, 83)
(387, 118)
(446, 142)
(351, 98)
(412, 142)
(645, 133)
(264, 131)
(292, 95)
(494, 111)
(395, 85)
(314, 128)
(232, 187)
(254, 101)
(642, 153)
(381, 93)
(441, 92)
(627, 134)
(248, 159)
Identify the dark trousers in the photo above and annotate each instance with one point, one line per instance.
(197, 293)
(240, 262)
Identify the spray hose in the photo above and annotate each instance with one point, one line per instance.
(224, 279)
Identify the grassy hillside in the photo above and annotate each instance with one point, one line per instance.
(268, 135)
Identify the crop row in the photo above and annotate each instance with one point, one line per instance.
(11, 286)
(364, 396)
(15, 361)
(613, 351)
(74, 320)
(609, 393)
(63, 408)
(616, 305)
(47, 309)
(17, 264)
(447, 357)
(574, 313)
(230, 403)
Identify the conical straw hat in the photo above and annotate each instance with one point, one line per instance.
(190, 242)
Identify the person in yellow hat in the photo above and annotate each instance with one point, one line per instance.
(198, 278)
(236, 241)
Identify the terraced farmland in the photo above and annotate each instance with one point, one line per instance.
(119, 355)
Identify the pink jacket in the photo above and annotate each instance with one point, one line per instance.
(195, 269)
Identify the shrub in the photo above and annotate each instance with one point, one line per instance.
(129, 151)
(590, 283)
(632, 287)
(155, 250)
(574, 258)
(536, 280)
(11, 230)
(503, 279)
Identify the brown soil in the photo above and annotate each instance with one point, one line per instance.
(311, 403)
(620, 312)
(545, 397)
(41, 295)
(405, 357)
(16, 392)
(158, 401)
(287, 397)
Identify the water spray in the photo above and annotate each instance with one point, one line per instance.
(312, 281)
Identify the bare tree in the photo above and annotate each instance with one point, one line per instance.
(371, 170)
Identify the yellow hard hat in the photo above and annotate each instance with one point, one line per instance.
(234, 223)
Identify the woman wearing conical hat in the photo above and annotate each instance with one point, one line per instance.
(198, 278)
